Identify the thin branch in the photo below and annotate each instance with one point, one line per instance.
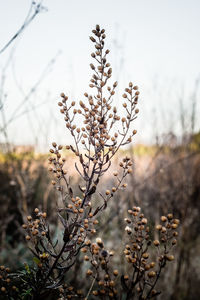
(29, 18)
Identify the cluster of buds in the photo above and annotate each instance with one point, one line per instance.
(85, 228)
(101, 272)
(97, 135)
(6, 286)
(36, 227)
(37, 233)
(138, 252)
(56, 163)
(167, 237)
(69, 292)
(125, 166)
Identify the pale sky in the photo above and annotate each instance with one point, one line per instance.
(154, 43)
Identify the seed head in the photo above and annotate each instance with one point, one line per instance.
(163, 219)
(36, 210)
(170, 257)
(151, 274)
(107, 192)
(3, 289)
(89, 272)
(170, 216)
(99, 242)
(156, 243)
(144, 221)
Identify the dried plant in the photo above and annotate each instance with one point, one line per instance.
(102, 133)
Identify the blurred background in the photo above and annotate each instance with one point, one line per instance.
(45, 50)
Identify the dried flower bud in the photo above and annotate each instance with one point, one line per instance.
(176, 221)
(174, 226)
(92, 66)
(170, 257)
(144, 221)
(130, 84)
(159, 227)
(174, 242)
(151, 274)
(134, 131)
(163, 219)
(36, 210)
(28, 237)
(89, 272)
(163, 230)
(54, 144)
(92, 39)
(99, 242)
(95, 293)
(170, 216)
(128, 229)
(156, 243)
(44, 215)
(145, 255)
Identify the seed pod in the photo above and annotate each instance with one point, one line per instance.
(163, 219)
(170, 257)
(151, 274)
(92, 39)
(156, 243)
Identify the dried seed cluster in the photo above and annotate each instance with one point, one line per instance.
(99, 134)
(100, 269)
(36, 226)
(138, 252)
(6, 285)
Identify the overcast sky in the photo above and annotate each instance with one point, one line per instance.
(154, 43)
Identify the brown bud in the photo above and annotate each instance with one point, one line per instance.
(163, 219)
(92, 39)
(28, 237)
(36, 210)
(156, 243)
(170, 257)
(151, 274)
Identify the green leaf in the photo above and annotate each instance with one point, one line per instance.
(27, 268)
(36, 260)
(26, 293)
